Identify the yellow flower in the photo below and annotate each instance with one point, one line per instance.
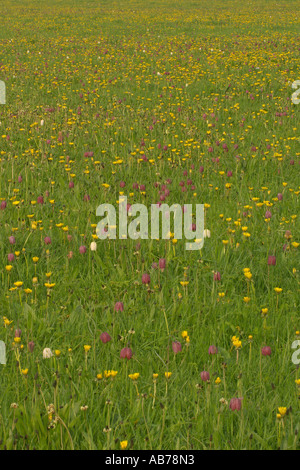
(17, 340)
(184, 334)
(87, 348)
(6, 322)
(217, 381)
(154, 376)
(35, 259)
(18, 284)
(247, 299)
(248, 275)
(24, 372)
(236, 343)
(49, 285)
(99, 376)
(57, 352)
(27, 291)
(134, 376)
(123, 444)
(278, 290)
(282, 411)
(8, 268)
(110, 373)
(168, 375)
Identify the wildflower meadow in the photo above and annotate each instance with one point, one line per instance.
(130, 343)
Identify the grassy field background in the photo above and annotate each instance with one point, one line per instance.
(191, 100)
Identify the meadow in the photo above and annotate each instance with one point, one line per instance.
(141, 344)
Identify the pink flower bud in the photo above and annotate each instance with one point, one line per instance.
(235, 404)
(205, 376)
(105, 338)
(119, 307)
(176, 346)
(268, 215)
(266, 351)
(162, 263)
(126, 353)
(12, 240)
(146, 279)
(212, 349)
(47, 241)
(217, 276)
(272, 260)
(82, 249)
(31, 346)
